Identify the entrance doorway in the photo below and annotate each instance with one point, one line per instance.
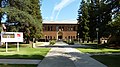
(60, 35)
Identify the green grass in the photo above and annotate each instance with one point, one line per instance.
(14, 45)
(24, 53)
(109, 60)
(17, 65)
(104, 50)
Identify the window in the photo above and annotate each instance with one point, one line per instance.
(74, 28)
(45, 37)
(68, 37)
(71, 37)
(50, 37)
(57, 28)
(70, 28)
(62, 28)
(51, 28)
(48, 28)
(45, 28)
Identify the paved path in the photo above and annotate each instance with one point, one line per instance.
(19, 61)
(68, 57)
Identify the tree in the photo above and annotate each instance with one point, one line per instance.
(28, 15)
(102, 16)
(83, 20)
(99, 13)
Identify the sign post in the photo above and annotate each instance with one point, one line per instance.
(17, 46)
(6, 47)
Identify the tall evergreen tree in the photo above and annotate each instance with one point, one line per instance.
(83, 20)
(99, 13)
(102, 15)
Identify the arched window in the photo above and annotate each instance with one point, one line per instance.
(71, 37)
(68, 37)
(50, 37)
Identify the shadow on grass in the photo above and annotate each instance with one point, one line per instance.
(14, 45)
(16, 56)
(109, 60)
(17, 65)
(102, 46)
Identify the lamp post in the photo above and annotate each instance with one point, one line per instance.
(45, 38)
(78, 37)
(97, 29)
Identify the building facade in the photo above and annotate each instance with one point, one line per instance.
(60, 30)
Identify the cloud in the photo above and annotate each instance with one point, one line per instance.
(63, 4)
(59, 7)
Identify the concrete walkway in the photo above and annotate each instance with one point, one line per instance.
(19, 61)
(68, 57)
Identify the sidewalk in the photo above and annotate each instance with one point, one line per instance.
(68, 57)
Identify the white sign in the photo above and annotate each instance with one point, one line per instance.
(11, 37)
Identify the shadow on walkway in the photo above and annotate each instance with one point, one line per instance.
(68, 57)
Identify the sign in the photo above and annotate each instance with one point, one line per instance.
(11, 37)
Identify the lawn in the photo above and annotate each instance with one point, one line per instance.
(17, 65)
(104, 50)
(109, 60)
(24, 53)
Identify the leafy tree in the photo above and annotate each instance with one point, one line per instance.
(115, 25)
(28, 16)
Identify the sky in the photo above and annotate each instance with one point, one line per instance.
(57, 10)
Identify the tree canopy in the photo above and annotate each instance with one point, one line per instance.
(97, 14)
(28, 15)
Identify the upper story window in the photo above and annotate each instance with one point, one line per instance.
(60, 27)
(74, 28)
(51, 28)
(48, 28)
(63, 28)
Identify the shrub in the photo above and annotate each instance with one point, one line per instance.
(52, 42)
(69, 42)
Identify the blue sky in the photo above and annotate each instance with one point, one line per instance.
(57, 10)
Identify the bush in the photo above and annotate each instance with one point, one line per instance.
(69, 42)
(52, 42)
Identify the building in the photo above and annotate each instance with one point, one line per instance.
(60, 30)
